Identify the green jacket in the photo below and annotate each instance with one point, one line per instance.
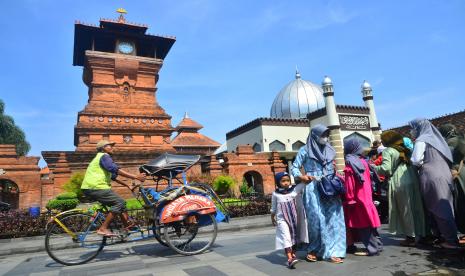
(96, 177)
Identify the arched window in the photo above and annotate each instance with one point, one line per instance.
(364, 141)
(297, 145)
(257, 147)
(277, 146)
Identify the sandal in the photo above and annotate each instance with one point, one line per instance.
(291, 263)
(335, 260)
(311, 257)
(361, 253)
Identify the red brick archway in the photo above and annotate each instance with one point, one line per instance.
(254, 179)
(9, 193)
(245, 162)
(23, 171)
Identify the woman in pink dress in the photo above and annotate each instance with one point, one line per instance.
(360, 213)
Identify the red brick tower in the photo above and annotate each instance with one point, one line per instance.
(121, 64)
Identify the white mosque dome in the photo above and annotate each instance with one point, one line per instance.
(297, 99)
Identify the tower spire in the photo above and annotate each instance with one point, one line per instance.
(297, 73)
(121, 12)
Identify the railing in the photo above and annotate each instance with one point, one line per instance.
(18, 223)
(250, 205)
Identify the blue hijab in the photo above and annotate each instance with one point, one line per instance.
(352, 152)
(281, 190)
(324, 154)
(429, 134)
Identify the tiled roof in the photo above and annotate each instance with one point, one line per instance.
(189, 139)
(268, 122)
(457, 119)
(188, 123)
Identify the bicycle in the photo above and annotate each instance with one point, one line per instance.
(183, 218)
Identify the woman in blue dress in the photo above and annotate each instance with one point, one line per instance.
(325, 216)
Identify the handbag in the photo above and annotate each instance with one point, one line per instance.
(331, 185)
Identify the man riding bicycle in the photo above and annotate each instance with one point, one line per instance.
(97, 185)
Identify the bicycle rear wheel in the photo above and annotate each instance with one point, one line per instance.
(157, 232)
(78, 246)
(193, 235)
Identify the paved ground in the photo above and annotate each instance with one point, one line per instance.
(248, 252)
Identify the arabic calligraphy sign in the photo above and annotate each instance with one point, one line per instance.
(354, 122)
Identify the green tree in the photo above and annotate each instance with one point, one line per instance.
(74, 184)
(11, 133)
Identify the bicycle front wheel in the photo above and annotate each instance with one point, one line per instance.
(74, 240)
(193, 235)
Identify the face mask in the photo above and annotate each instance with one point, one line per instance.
(323, 140)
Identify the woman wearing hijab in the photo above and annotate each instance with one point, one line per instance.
(406, 216)
(456, 142)
(325, 216)
(434, 158)
(360, 213)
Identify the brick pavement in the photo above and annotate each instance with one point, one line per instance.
(247, 252)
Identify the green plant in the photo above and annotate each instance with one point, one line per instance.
(62, 204)
(235, 202)
(74, 184)
(223, 183)
(245, 189)
(67, 195)
(133, 203)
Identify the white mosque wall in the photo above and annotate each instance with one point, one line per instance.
(287, 135)
(264, 135)
(322, 120)
(249, 137)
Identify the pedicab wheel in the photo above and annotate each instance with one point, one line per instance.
(193, 235)
(80, 245)
(157, 232)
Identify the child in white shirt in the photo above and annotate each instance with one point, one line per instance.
(288, 214)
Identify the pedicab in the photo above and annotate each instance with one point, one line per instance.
(184, 218)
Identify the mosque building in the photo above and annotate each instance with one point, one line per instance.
(300, 105)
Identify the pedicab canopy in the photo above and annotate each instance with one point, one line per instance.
(169, 165)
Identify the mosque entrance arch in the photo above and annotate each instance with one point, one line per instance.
(9, 193)
(364, 141)
(254, 179)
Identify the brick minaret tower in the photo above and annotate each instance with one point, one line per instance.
(121, 64)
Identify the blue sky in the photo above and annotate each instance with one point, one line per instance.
(231, 58)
